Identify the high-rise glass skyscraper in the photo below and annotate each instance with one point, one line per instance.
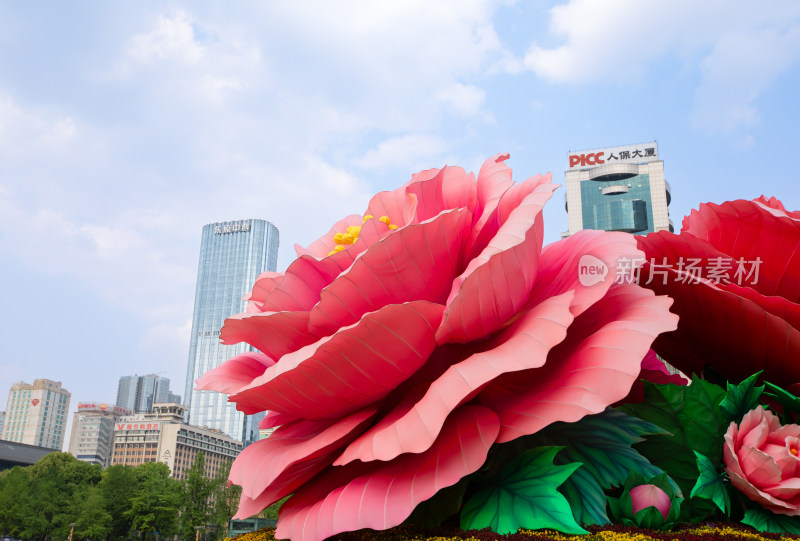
(139, 393)
(232, 255)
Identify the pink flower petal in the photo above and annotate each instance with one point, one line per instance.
(497, 283)
(783, 456)
(785, 490)
(752, 420)
(324, 380)
(756, 436)
(273, 419)
(382, 495)
(776, 208)
(497, 197)
(733, 333)
(772, 503)
(559, 266)
(494, 179)
(397, 205)
(265, 283)
(592, 368)
(234, 373)
(748, 230)
(417, 262)
(413, 427)
(730, 457)
(759, 468)
(449, 188)
(274, 333)
(783, 433)
(644, 496)
(271, 464)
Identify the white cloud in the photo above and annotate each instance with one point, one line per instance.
(737, 71)
(465, 100)
(172, 38)
(413, 151)
(25, 129)
(605, 40)
(617, 41)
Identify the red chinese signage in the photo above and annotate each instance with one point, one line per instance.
(137, 426)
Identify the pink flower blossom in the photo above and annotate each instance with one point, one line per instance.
(404, 343)
(644, 496)
(762, 461)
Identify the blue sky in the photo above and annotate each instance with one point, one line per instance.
(125, 127)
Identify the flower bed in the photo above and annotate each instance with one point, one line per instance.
(708, 532)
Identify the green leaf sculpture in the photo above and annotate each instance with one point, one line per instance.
(710, 485)
(789, 402)
(765, 521)
(602, 443)
(742, 398)
(524, 495)
(692, 416)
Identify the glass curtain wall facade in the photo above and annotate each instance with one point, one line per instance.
(139, 393)
(232, 255)
(614, 206)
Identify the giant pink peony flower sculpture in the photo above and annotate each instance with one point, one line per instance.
(400, 346)
(734, 273)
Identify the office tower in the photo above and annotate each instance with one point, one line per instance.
(163, 436)
(139, 393)
(126, 392)
(92, 435)
(2, 420)
(232, 255)
(618, 189)
(36, 413)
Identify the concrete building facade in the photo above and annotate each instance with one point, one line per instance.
(36, 414)
(92, 435)
(163, 436)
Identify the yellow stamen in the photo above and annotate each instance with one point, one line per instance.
(337, 238)
(385, 219)
(367, 217)
(336, 250)
(793, 451)
(348, 239)
(392, 226)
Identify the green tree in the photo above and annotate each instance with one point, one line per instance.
(57, 481)
(196, 510)
(92, 521)
(154, 505)
(15, 501)
(225, 498)
(117, 488)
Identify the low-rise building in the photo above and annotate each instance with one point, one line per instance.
(163, 436)
(92, 438)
